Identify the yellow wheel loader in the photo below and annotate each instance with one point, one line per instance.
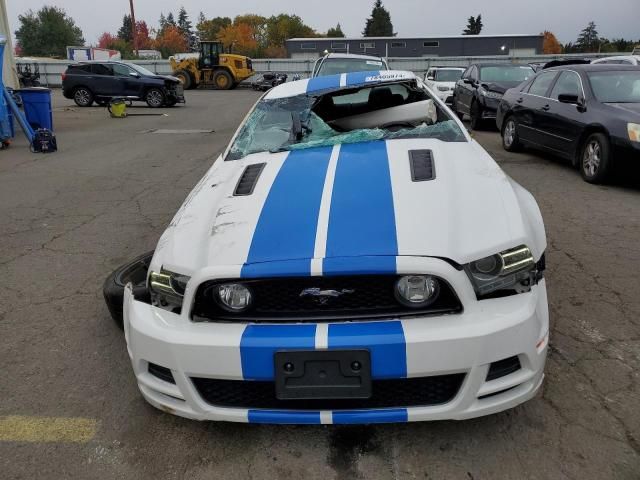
(212, 68)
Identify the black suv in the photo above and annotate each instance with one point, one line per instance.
(481, 87)
(87, 82)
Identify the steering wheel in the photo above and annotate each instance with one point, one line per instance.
(395, 126)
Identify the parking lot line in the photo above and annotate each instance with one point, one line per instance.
(17, 428)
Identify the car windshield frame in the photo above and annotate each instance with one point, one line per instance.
(304, 128)
(448, 70)
(598, 94)
(487, 68)
(368, 64)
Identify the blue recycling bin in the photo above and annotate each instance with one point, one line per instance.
(36, 103)
(6, 123)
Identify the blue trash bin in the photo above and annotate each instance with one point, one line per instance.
(36, 103)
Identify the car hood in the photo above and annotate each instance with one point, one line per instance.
(165, 77)
(348, 201)
(629, 108)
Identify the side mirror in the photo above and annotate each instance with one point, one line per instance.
(134, 74)
(467, 80)
(431, 77)
(569, 98)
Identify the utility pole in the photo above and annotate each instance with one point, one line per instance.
(133, 29)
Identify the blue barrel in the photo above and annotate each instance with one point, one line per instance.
(6, 123)
(36, 103)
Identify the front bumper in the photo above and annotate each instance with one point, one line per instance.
(466, 343)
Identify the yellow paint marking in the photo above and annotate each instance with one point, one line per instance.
(16, 428)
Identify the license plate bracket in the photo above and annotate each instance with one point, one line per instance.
(322, 374)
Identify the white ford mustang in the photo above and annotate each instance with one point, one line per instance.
(352, 257)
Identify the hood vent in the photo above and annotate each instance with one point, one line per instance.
(422, 167)
(248, 180)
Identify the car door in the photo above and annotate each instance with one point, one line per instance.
(565, 120)
(103, 83)
(430, 77)
(129, 81)
(535, 102)
(464, 89)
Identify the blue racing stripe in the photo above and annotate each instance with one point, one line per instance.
(362, 219)
(384, 340)
(359, 78)
(260, 342)
(286, 228)
(326, 82)
(284, 417)
(359, 266)
(395, 415)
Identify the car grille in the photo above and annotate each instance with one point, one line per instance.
(280, 300)
(408, 392)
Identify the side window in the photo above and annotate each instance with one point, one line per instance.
(101, 69)
(121, 70)
(568, 83)
(541, 84)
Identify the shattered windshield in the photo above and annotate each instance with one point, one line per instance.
(347, 116)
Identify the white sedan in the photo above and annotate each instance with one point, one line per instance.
(442, 80)
(352, 257)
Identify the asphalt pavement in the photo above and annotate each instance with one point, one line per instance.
(69, 404)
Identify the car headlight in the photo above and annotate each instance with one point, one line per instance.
(233, 297)
(512, 269)
(417, 291)
(443, 88)
(489, 94)
(167, 290)
(634, 131)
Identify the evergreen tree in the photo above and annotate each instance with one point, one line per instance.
(171, 22)
(126, 30)
(379, 24)
(474, 25)
(336, 32)
(588, 40)
(162, 22)
(184, 24)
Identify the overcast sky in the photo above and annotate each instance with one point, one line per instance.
(614, 18)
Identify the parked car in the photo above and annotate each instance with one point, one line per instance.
(268, 80)
(481, 87)
(334, 63)
(335, 266)
(589, 114)
(619, 60)
(88, 82)
(442, 80)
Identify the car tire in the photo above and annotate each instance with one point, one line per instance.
(475, 114)
(510, 140)
(185, 78)
(83, 97)
(595, 159)
(154, 97)
(222, 80)
(113, 288)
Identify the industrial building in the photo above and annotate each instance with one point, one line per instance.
(451, 46)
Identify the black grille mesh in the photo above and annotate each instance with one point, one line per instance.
(409, 392)
(280, 300)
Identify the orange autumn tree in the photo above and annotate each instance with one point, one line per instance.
(239, 38)
(550, 44)
(170, 41)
